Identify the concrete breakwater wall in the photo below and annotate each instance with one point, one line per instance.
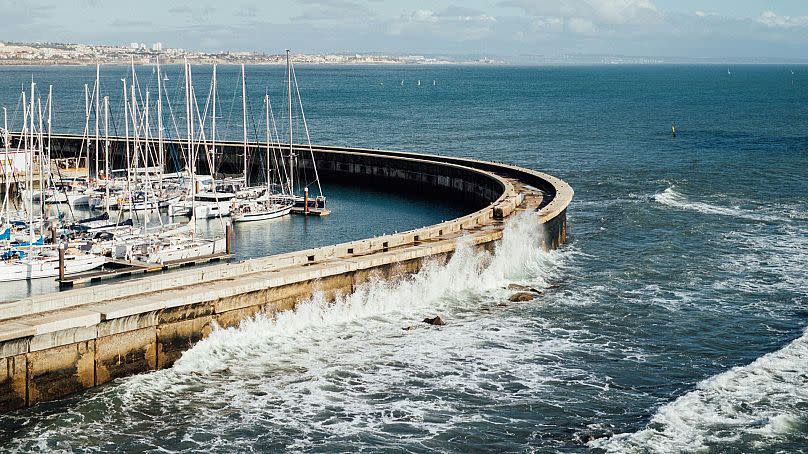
(57, 344)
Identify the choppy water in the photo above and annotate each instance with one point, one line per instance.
(673, 321)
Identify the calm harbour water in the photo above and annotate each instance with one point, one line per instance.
(673, 321)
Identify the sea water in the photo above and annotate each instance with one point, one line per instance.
(674, 320)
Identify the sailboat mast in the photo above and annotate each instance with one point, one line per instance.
(146, 138)
(213, 132)
(50, 110)
(289, 102)
(266, 104)
(147, 191)
(191, 102)
(97, 115)
(41, 150)
(128, 153)
(8, 180)
(244, 118)
(31, 173)
(24, 140)
(161, 155)
(135, 128)
(86, 129)
(188, 124)
(106, 152)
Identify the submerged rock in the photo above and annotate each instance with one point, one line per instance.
(524, 288)
(522, 297)
(437, 321)
(409, 328)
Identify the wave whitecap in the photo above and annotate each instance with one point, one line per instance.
(435, 287)
(748, 407)
(672, 198)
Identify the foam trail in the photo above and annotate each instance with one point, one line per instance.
(672, 198)
(747, 407)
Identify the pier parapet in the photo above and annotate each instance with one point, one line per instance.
(57, 344)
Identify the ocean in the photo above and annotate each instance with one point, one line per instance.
(673, 321)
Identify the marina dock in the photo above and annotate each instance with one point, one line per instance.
(118, 269)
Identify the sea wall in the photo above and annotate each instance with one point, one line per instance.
(54, 345)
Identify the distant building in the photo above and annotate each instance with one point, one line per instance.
(134, 45)
(157, 47)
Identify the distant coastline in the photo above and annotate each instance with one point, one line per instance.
(22, 54)
(61, 54)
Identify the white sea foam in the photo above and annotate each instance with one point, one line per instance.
(437, 287)
(766, 261)
(752, 405)
(672, 198)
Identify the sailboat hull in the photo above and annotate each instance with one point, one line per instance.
(37, 268)
(262, 215)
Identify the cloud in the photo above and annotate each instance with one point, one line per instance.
(197, 13)
(591, 16)
(771, 19)
(450, 14)
(334, 11)
(582, 26)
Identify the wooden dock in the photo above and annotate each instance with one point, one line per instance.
(114, 269)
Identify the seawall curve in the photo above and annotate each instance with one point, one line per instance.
(57, 344)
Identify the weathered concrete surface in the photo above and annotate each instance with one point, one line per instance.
(54, 345)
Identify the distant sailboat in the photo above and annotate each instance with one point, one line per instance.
(729, 73)
(419, 82)
(402, 82)
(434, 83)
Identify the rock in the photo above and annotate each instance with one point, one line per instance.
(524, 288)
(409, 328)
(437, 321)
(522, 297)
(502, 305)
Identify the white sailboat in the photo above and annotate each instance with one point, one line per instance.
(266, 206)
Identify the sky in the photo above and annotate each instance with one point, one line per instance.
(516, 29)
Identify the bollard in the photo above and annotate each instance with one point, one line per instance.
(54, 239)
(306, 200)
(61, 264)
(227, 240)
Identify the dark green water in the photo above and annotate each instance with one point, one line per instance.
(673, 321)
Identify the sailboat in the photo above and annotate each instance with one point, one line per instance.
(303, 201)
(266, 206)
